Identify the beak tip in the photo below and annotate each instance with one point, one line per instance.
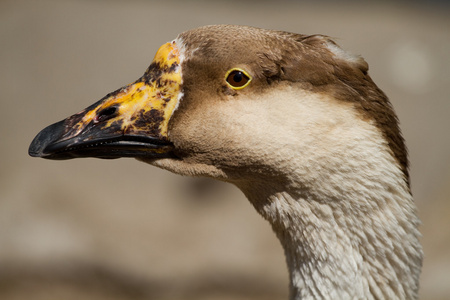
(33, 153)
(44, 138)
(36, 147)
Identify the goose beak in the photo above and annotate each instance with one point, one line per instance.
(130, 122)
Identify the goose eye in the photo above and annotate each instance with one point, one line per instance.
(237, 79)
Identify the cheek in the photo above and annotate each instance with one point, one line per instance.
(206, 132)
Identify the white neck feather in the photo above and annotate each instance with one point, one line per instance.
(359, 245)
(345, 217)
(326, 180)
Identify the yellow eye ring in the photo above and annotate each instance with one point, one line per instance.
(237, 78)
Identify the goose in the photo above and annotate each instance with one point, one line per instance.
(297, 124)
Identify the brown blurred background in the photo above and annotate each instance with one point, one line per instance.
(120, 229)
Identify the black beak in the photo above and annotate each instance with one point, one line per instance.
(130, 122)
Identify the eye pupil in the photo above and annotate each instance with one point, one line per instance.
(238, 76)
(238, 79)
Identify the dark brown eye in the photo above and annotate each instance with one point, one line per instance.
(237, 79)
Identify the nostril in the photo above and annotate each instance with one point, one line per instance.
(105, 114)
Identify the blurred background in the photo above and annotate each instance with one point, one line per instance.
(120, 229)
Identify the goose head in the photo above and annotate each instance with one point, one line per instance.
(298, 125)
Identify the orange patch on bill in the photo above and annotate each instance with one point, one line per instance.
(145, 106)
